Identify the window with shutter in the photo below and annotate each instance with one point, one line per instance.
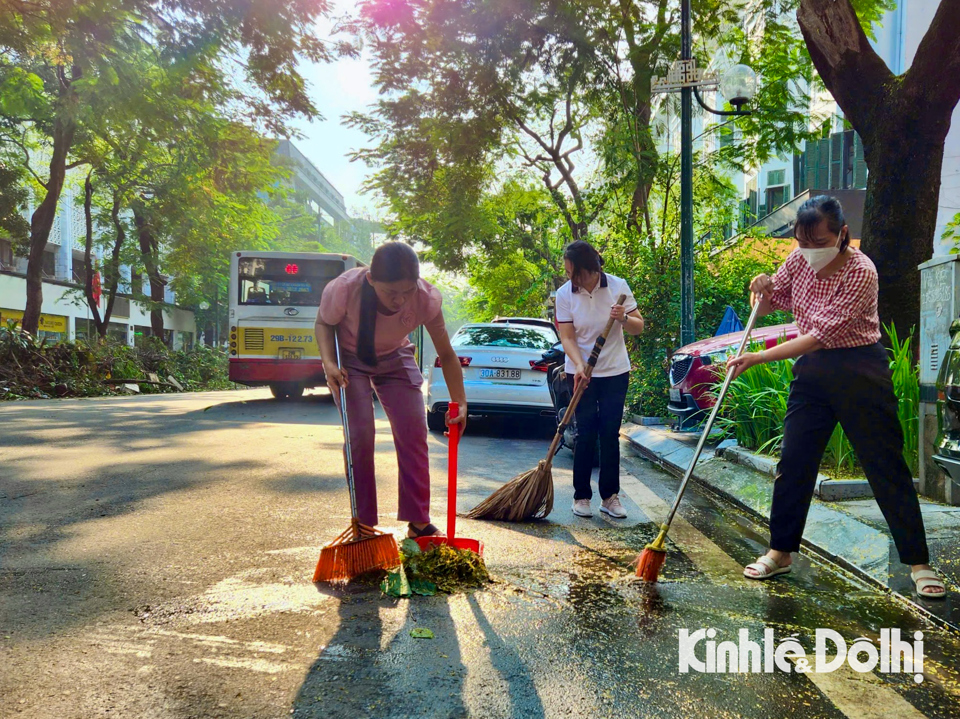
(823, 166)
(859, 163)
(847, 168)
(836, 161)
(811, 163)
(799, 173)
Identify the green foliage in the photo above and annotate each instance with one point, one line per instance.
(651, 270)
(951, 233)
(457, 306)
(156, 96)
(13, 199)
(906, 385)
(34, 369)
(756, 405)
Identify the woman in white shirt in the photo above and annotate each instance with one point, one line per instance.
(584, 305)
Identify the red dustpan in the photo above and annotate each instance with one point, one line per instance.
(474, 545)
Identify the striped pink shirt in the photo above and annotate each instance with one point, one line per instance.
(841, 310)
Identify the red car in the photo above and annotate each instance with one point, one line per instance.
(692, 372)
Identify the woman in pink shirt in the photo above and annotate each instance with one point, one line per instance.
(372, 312)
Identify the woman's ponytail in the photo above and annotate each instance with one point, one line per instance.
(366, 349)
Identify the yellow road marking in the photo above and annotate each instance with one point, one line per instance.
(862, 696)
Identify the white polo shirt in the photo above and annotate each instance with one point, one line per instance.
(588, 313)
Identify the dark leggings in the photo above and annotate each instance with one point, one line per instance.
(599, 413)
(853, 387)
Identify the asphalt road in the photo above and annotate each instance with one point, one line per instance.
(156, 553)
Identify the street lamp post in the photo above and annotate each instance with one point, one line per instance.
(739, 87)
(687, 333)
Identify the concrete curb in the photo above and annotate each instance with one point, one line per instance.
(827, 488)
(830, 533)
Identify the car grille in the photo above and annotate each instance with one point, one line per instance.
(253, 339)
(679, 368)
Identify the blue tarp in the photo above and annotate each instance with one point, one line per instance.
(730, 322)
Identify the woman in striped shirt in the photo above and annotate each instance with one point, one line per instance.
(842, 375)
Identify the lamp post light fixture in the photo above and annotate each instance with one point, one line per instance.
(739, 86)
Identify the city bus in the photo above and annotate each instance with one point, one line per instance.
(274, 298)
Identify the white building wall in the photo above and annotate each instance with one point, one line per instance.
(62, 301)
(67, 242)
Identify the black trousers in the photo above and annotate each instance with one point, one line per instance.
(599, 413)
(853, 387)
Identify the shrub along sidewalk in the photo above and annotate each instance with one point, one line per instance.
(35, 369)
(756, 405)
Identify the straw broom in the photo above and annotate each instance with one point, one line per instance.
(359, 548)
(530, 495)
(651, 560)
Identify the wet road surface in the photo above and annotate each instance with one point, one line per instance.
(155, 555)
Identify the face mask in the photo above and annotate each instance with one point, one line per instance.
(820, 257)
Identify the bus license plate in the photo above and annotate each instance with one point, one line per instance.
(675, 395)
(287, 353)
(499, 374)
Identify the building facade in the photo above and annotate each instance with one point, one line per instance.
(834, 163)
(65, 314)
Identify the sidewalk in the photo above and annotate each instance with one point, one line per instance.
(851, 534)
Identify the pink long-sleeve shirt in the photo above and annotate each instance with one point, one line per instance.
(340, 306)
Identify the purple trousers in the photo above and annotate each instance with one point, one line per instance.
(397, 381)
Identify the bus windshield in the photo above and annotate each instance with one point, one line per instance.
(287, 282)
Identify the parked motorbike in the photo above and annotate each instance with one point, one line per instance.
(560, 391)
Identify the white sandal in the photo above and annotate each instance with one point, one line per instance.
(927, 579)
(766, 568)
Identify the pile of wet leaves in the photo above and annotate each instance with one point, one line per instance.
(441, 569)
(34, 368)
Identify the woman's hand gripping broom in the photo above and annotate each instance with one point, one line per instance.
(651, 560)
(359, 548)
(530, 495)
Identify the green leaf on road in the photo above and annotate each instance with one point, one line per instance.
(410, 548)
(423, 587)
(421, 633)
(395, 584)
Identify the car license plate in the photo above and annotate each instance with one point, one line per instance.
(675, 395)
(499, 374)
(288, 353)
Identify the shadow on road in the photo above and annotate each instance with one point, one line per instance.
(371, 666)
(524, 698)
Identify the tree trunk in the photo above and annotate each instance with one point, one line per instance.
(900, 215)
(42, 222)
(903, 122)
(92, 302)
(150, 251)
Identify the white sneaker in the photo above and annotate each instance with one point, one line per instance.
(581, 508)
(611, 505)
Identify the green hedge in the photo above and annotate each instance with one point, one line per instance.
(756, 405)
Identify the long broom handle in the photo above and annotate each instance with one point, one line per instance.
(348, 448)
(575, 400)
(454, 441)
(713, 414)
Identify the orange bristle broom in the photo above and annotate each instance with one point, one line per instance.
(359, 549)
(651, 560)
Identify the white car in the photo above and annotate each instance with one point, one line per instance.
(496, 360)
(536, 321)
